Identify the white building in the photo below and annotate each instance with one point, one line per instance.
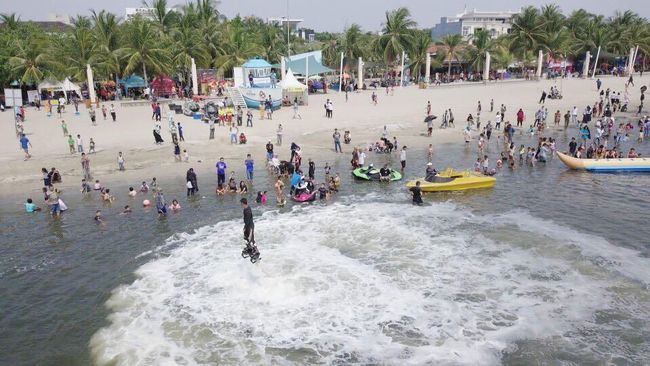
(147, 13)
(470, 21)
(293, 22)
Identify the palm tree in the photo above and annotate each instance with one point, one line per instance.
(272, 41)
(78, 49)
(527, 31)
(237, 49)
(184, 49)
(397, 35)
(351, 44)
(29, 61)
(11, 21)
(163, 16)
(418, 53)
(106, 32)
(331, 48)
(502, 58)
(452, 44)
(481, 42)
(142, 48)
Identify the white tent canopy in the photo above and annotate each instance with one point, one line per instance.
(69, 85)
(292, 89)
(65, 86)
(291, 83)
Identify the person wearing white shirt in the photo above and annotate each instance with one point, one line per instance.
(402, 157)
(80, 144)
(362, 158)
(574, 115)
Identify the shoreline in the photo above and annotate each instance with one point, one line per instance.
(402, 113)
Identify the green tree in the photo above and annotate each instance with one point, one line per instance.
(527, 32)
(452, 44)
(29, 63)
(237, 49)
(417, 53)
(397, 35)
(143, 49)
(351, 44)
(481, 42)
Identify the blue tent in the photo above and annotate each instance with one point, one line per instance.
(315, 67)
(256, 63)
(133, 81)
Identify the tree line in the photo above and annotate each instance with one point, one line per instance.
(166, 42)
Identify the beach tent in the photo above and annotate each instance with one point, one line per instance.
(292, 88)
(133, 81)
(70, 86)
(162, 86)
(51, 85)
(309, 65)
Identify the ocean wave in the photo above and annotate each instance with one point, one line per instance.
(359, 283)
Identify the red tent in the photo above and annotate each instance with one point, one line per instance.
(162, 86)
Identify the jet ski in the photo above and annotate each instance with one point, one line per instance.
(371, 173)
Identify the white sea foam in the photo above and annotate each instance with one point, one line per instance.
(354, 284)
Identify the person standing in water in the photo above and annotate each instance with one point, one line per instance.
(402, 158)
(417, 194)
(279, 187)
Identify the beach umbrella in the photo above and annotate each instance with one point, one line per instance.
(430, 118)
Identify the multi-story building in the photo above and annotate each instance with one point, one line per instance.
(470, 21)
(147, 13)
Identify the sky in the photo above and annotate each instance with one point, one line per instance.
(323, 15)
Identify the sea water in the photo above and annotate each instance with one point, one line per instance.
(549, 267)
(376, 283)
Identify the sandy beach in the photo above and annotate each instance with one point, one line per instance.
(402, 113)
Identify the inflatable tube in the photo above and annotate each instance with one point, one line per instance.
(305, 197)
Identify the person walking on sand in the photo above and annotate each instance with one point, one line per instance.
(337, 141)
(93, 116)
(64, 127)
(71, 144)
(80, 144)
(249, 118)
(91, 146)
(211, 124)
(104, 111)
(112, 111)
(278, 134)
(233, 134)
(296, 114)
(25, 145)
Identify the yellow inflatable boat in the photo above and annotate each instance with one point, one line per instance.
(451, 180)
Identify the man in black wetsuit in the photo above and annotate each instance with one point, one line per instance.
(249, 226)
(417, 194)
(384, 174)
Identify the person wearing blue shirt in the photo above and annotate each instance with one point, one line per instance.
(30, 206)
(295, 179)
(25, 145)
(249, 167)
(221, 171)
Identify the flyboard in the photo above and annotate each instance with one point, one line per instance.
(250, 250)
